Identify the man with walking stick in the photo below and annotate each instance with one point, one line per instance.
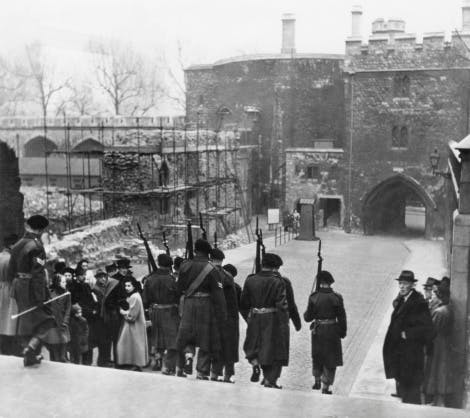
(29, 288)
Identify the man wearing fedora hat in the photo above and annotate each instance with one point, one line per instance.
(29, 288)
(410, 330)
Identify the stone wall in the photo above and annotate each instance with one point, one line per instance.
(11, 200)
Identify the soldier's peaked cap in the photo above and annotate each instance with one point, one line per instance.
(217, 254)
(164, 260)
(37, 222)
(202, 246)
(407, 276)
(271, 260)
(325, 276)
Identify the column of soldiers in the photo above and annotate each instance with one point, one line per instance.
(193, 306)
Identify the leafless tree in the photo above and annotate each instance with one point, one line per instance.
(130, 82)
(176, 76)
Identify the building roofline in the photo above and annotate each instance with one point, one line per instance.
(260, 57)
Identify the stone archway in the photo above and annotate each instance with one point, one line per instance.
(36, 146)
(384, 206)
(89, 146)
(11, 200)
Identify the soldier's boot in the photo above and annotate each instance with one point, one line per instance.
(30, 358)
(317, 384)
(255, 374)
(188, 365)
(228, 379)
(201, 376)
(272, 385)
(326, 389)
(180, 372)
(158, 365)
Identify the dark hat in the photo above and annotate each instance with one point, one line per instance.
(123, 263)
(177, 262)
(10, 239)
(110, 267)
(445, 281)
(202, 246)
(37, 222)
(217, 254)
(443, 293)
(69, 270)
(230, 268)
(406, 276)
(271, 260)
(59, 267)
(324, 276)
(164, 260)
(430, 282)
(100, 272)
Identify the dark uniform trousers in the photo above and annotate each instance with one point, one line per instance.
(218, 367)
(272, 372)
(325, 374)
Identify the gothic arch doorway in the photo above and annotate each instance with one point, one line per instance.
(398, 205)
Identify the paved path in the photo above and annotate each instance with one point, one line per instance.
(59, 390)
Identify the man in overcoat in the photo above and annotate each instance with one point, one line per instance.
(7, 303)
(29, 288)
(410, 330)
(326, 312)
(204, 308)
(264, 306)
(229, 330)
(160, 296)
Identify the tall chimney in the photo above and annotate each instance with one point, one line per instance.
(356, 21)
(288, 34)
(466, 15)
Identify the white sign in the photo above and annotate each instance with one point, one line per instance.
(273, 216)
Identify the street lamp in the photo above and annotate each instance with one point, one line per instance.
(434, 158)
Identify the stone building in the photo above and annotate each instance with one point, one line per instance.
(384, 107)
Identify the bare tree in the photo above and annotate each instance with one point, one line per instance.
(128, 80)
(12, 90)
(81, 98)
(176, 76)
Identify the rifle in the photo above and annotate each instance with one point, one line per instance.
(152, 265)
(215, 240)
(165, 244)
(201, 225)
(316, 284)
(189, 255)
(37, 306)
(260, 248)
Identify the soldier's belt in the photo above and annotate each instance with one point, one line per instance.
(24, 275)
(200, 295)
(164, 306)
(263, 310)
(324, 321)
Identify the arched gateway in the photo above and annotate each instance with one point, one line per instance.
(11, 200)
(387, 206)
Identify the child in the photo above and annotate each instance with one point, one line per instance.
(78, 335)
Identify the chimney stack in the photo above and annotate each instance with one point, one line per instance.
(356, 21)
(288, 34)
(466, 16)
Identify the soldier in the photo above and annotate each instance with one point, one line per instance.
(29, 288)
(263, 304)
(177, 261)
(204, 307)
(229, 330)
(410, 330)
(326, 311)
(160, 296)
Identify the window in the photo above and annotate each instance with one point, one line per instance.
(312, 172)
(401, 85)
(399, 137)
(164, 206)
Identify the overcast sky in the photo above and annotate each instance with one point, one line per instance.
(207, 29)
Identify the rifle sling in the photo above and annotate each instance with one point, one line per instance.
(199, 279)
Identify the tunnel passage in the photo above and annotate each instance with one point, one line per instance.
(11, 200)
(398, 205)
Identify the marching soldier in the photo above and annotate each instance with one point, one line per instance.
(29, 288)
(160, 296)
(263, 304)
(229, 330)
(204, 307)
(326, 311)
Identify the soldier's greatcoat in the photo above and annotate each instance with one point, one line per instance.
(160, 289)
(201, 315)
(404, 358)
(29, 287)
(325, 304)
(267, 335)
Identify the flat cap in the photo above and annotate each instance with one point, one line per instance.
(100, 272)
(230, 268)
(37, 222)
(217, 254)
(164, 260)
(271, 260)
(325, 276)
(202, 246)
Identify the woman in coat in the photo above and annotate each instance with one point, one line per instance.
(438, 379)
(132, 347)
(58, 337)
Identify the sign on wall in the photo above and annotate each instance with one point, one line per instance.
(273, 216)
